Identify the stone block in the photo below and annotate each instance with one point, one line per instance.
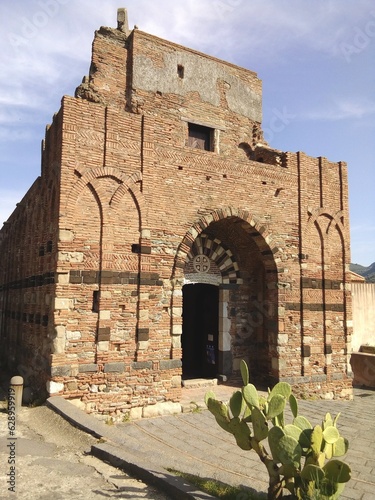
(160, 409)
(177, 329)
(104, 334)
(54, 387)
(104, 314)
(66, 235)
(176, 381)
(143, 334)
(170, 364)
(136, 413)
(114, 367)
(87, 368)
(72, 257)
(60, 371)
(282, 339)
(103, 346)
(142, 365)
(73, 335)
(142, 345)
(63, 304)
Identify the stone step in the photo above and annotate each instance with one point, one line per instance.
(199, 382)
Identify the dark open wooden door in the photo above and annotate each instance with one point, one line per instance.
(200, 331)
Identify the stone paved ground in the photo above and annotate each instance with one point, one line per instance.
(53, 462)
(194, 443)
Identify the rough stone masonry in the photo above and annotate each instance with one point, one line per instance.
(165, 240)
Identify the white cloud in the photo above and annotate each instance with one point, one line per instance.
(344, 109)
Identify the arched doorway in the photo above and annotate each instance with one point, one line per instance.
(235, 257)
(200, 331)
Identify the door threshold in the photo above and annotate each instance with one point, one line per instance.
(193, 383)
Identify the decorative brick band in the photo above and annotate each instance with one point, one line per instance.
(36, 318)
(320, 284)
(296, 306)
(115, 278)
(30, 282)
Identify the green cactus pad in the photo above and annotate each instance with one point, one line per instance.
(250, 395)
(235, 403)
(282, 388)
(244, 372)
(328, 450)
(279, 420)
(337, 471)
(247, 414)
(224, 424)
(316, 440)
(319, 460)
(336, 419)
(293, 431)
(312, 473)
(260, 425)
(274, 436)
(340, 447)
(276, 405)
(289, 451)
(293, 405)
(217, 408)
(288, 471)
(302, 422)
(209, 395)
(327, 422)
(331, 434)
(241, 432)
(305, 438)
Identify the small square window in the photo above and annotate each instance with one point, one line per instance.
(201, 137)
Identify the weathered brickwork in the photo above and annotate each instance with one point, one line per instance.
(98, 257)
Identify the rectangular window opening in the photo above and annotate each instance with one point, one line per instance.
(180, 70)
(201, 137)
(95, 301)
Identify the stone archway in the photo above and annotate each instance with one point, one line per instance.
(233, 255)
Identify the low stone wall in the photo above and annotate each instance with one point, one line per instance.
(363, 366)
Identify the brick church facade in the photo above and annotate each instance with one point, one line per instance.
(166, 240)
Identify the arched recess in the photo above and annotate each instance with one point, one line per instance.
(327, 250)
(123, 185)
(231, 250)
(105, 215)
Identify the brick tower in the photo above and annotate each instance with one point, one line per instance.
(166, 240)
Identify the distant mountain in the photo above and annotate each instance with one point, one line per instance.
(367, 272)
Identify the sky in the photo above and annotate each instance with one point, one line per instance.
(316, 59)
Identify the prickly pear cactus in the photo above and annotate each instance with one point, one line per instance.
(299, 458)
